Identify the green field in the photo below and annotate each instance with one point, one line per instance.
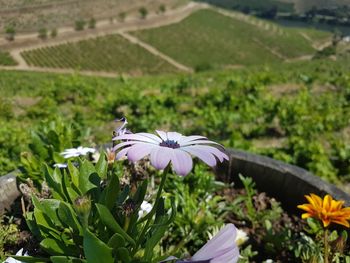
(242, 108)
(6, 59)
(209, 38)
(110, 53)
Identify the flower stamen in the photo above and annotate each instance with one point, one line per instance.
(170, 144)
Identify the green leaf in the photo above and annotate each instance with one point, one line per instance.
(86, 172)
(31, 223)
(51, 179)
(111, 192)
(54, 140)
(156, 236)
(28, 259)
(108, 219)
(95, 250)
(116, 241)
(65, 259)
(68, 217)
(74, 173)
(45, 225)
(140, 193)
(102, 166)
(37, 146)
(55, 247)
(123, 253)
(49, 207)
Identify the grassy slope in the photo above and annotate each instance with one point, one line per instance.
(207, 37)
(110, 53)
(233, 107)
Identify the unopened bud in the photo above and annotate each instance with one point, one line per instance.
(82, 206)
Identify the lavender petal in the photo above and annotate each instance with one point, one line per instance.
(198, 142)
(181, 161)
(219, 245)
(162, 135)
(160, 157)
(135, 137)
(202, 154)
(139, 151)
(174, 136)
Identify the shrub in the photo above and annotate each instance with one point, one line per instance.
(92, 23)
(143, 12)
(10, 33)
(121, 16)
(53, 33)
(162, 8)
(42, 33)
(79, 25)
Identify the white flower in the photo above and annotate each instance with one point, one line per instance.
(60, 165)
(19, 253)
(241, 237)
(75, 152)
(145, 209)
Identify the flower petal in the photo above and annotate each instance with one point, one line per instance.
(152, 136)
(122, 144)
(135, 137)
(139, 151)
(219, 245)
(202, 154)
(160, 157)
(174, 136)
(185, 139)
(197, 142)
(162, 135)
(122, 153)
(181, 161)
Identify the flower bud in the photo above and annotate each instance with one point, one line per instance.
(82, 206)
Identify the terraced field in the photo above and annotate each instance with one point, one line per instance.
(210, 38)
(110, 53)
(6, 59)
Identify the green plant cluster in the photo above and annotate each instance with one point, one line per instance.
(6, 59)
(237, 108)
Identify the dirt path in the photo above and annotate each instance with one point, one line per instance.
(318, 45)
(156, 52)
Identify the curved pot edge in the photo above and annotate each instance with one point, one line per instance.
(288, 183)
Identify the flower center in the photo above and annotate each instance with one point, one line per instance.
(170, 144)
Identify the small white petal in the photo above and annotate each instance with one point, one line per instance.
(162, 135)
(174, 136)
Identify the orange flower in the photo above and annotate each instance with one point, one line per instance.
(326, 210)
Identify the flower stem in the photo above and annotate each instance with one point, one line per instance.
(326, 246)
(153, 211)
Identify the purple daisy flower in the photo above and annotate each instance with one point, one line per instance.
(169, 147)
(221, 248)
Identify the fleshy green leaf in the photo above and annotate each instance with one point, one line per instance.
(87, 170)
(108, 219)
(68, 217)
(111, 192)
(54, 247)
(95, 250)
(116, 241)
(101, 166)
(28, 259)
